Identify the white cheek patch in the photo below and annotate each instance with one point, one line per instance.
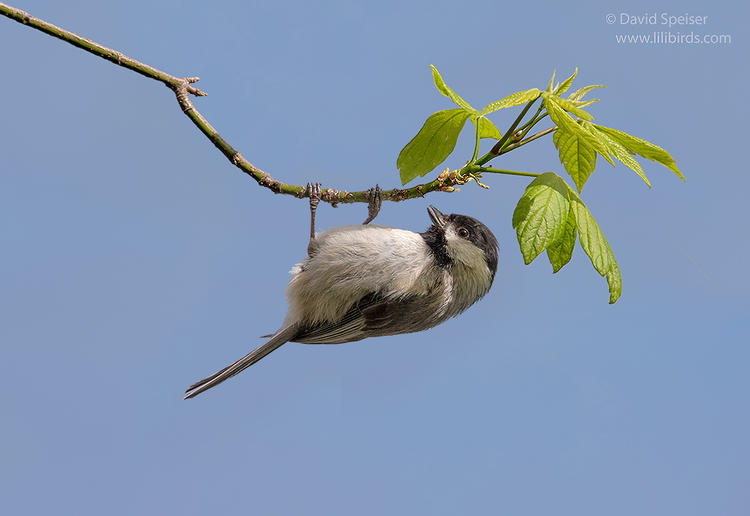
(462, 250)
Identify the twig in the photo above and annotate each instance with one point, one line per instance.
(183, 88)
(95, 48)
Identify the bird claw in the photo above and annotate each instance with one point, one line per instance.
(373, 206)
(313, 191)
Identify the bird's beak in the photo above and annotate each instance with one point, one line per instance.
(437, 217)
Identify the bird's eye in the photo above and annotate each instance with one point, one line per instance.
(463, 232)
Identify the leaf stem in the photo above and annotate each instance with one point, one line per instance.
(533, 120)
(474, 169)
(526, 131)
(531, 138)
(495, 150)
(476, 142)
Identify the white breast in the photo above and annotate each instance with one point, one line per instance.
(350, 262)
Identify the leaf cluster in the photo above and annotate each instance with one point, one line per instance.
(437, 138)
(550, 216)
(579, 141)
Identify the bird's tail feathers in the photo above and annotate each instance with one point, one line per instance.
(277, 340)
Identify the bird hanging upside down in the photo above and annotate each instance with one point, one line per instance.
(370, 281)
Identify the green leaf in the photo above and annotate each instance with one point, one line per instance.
(583, 103)
(571, 107)
(541, 213)
(614, 280)
(641, 147)
(514, 99)
(448, 92)
(576, 154)
(562, 88)
(561, 250)
(621, 153)
(432, 144)
(486, 128)
(578, 94)
(595, 245)
(551, 84)
(565, 122)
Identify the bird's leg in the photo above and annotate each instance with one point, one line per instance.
(373, 206)
(313, 190)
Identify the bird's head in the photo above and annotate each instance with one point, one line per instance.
(461, 239)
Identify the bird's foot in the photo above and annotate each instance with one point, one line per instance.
(373, 206)
(313, 191)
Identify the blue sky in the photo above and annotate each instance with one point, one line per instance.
(135, 260)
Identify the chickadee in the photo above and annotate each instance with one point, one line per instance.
(369, 281)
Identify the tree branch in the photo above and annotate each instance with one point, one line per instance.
(183, 88)
(95, 48)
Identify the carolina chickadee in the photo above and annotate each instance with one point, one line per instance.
(369, 281)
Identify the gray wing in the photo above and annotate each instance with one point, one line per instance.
(374, 316)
